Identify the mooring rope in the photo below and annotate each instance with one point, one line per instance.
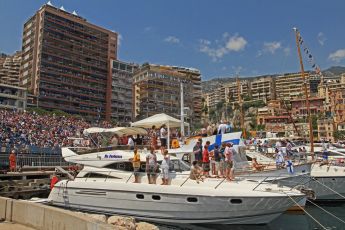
(306, 211)
(327, 211)
(330, 188)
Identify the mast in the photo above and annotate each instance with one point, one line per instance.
(311, 134)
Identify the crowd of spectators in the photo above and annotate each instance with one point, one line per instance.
(23, 131)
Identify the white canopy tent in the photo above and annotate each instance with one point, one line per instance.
(159, 120)
(116, 130)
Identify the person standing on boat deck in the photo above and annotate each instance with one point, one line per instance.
(165, 167)
(209, 130)
(228, 127)
(222, 128)
(278, 145)
(153, 137)
(151, 166)
(163, 137)
(279, 159)
(216, 156)
(136, 165)
(228, 162)
(196, 152)
(206, 160)
(212, 163)
(222, 159)
(289, 149)
(130, 142)
(324, 153)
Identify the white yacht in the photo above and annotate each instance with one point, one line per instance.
(105, 185)
(326, 180)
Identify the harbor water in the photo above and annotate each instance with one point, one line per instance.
(287, 221)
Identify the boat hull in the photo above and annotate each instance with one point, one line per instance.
(170, 208)
(328, 181)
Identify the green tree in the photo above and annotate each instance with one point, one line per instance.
(339, 135)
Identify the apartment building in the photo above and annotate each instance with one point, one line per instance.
(337, 105)
(195, 76)
(66, 62)
(157, 90)
(299, 107)
(231, 91)
(9, 69)
(297, 129)
(12, 97)
(325, 129)
(122, 91)
(290, 86)
(213, 98)
(263, 89)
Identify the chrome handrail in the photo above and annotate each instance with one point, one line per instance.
(260, 183)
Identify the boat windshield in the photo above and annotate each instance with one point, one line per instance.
(178, 166)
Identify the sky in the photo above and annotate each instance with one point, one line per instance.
(221, 38)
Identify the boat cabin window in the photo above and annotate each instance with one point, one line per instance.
(99, 175)
(156, 197)
(178, 166)
(192, 199)
(124, 166)
(235, 201)
(140, 196)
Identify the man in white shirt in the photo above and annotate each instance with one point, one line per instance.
(130, 143)
(221, 128)
(151, 166)
(163, 136)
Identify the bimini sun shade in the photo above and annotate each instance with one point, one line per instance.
(117, 130)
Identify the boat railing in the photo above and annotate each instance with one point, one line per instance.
(87, 150)
(185, 177)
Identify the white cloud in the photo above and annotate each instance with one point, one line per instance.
(321, 38)
(228, 44)
(271, 47)
(172, 39)
(236, 43)
(337, 56)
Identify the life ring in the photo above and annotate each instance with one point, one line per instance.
(175, 144)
